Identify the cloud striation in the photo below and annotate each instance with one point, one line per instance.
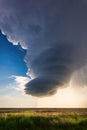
(54, 35)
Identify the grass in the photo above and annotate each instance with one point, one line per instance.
(31, 120)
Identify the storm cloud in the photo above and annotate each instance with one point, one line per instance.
(53, 68)
(54, 35)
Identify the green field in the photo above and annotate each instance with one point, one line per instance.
(43, 119)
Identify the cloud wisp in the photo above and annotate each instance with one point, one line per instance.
(54, 35)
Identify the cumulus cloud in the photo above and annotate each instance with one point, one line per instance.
(20, 82)
(54, 34)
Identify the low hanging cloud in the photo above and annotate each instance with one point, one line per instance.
(54, 35)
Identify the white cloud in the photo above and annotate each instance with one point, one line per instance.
(20, 82)
(13, 95)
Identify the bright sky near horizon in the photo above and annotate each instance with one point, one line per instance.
(43, 53)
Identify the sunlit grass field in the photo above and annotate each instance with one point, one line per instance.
(43, 119)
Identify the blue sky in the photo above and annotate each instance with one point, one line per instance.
(12, 61)
(13, 75)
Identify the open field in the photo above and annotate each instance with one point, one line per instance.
(43, 119)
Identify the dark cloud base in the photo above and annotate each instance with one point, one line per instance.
(54, 33)
(53, 68)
